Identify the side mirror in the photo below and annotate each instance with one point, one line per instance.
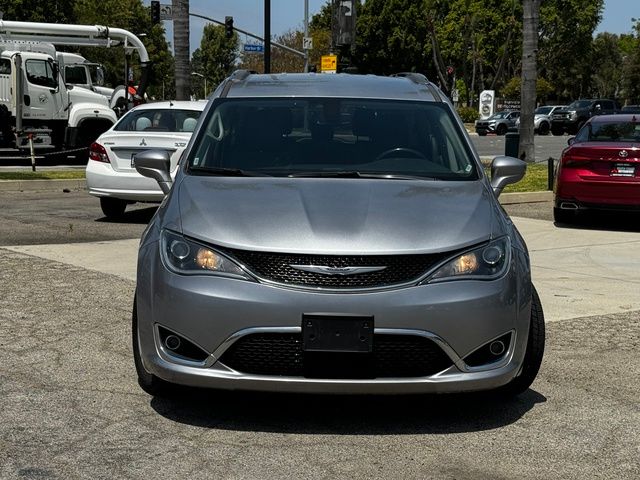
(571, 141)
(99, 76)
(505, 171)
(155, 164)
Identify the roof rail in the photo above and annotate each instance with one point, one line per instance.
(414, 77)
(242, 74)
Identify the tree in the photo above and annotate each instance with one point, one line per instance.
(607, 61)
(135, 17)
(566, 33)
(530, 21)
(181, 48)
(281, 60)
(58, 11)
(216, 56)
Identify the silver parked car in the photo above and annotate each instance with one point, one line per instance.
(499, 123)
(333, 233)
(542, 119)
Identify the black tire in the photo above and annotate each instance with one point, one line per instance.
(148, 382)
(501, 129)
(543, 129)
(534, 353)
(112, 207)
(482, 133)
(564, 216)
(557, 131)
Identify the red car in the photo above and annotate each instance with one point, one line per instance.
(600, 170)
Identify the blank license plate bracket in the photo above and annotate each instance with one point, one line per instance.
(337, 333)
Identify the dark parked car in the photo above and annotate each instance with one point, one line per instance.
(601, 168)
(572, 118)
(498, 123)
(333, 234)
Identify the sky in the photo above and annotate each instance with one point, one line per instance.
(289, 14)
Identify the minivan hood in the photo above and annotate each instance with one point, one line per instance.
(335, 216)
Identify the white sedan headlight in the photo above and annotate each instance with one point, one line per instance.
(187, 257)
(483, 263)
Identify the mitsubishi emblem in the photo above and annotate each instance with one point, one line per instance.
(143, 143)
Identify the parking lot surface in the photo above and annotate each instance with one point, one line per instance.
(70, 407)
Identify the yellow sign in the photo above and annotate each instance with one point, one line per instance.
(329, 64)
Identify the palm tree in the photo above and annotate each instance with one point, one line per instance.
(181, 48)
(530, 21)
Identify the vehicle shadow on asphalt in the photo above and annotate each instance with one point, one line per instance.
(344, 415)
(141, 215)
(606, 221)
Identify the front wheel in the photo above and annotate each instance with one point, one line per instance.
(112, 207)
(543, 129)
(482, 133)
(501, 130)
(557, 131)
(535, 350)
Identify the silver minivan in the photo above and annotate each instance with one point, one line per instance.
(333, 234)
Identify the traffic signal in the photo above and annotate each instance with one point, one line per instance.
(155, 12)
(228, 27)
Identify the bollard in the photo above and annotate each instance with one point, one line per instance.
(511, 144)
(33, 153)
(550, 173)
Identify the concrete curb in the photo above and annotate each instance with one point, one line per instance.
(41, 185)
(526, 197)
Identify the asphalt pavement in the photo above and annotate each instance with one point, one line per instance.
(70, 408)
(545, 146)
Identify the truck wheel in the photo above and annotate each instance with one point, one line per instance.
(543, 129)
(557, 131)
(501, 130)
(534, 353)
(112, 207)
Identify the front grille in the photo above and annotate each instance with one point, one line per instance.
(281, 354)
(276, 267)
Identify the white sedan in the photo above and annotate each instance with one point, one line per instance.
(111, 175)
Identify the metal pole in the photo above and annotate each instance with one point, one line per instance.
(306, 34)
(267, 36)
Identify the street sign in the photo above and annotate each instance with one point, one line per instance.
(253, 48)
(166, 11)
(329, 64)
(307, 43)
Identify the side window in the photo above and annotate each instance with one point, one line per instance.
(75, 74)
(40, 72)
(607, 105)
(5, 66)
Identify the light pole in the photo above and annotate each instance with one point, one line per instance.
(205, 82)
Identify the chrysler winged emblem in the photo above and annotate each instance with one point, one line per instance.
(327, 270)
(143, 143)
(623, 153)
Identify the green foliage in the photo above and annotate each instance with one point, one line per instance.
(215, 58)
(468, 114)
(131, 15)
(511, 90)
(58, 11)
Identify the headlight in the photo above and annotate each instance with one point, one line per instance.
(483, 263)
(190, 258)
(573, 115)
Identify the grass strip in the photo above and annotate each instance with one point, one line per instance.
(43, 175)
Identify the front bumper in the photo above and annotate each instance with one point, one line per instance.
(214, 312)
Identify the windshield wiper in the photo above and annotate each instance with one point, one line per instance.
(225, 172)
(357, 174)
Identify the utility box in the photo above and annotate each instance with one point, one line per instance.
(511, 144)
(343, 23)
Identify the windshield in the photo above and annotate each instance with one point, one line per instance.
(164, 120)
(76, 74)
(318, 136)
(610, 132)
(499, 115)
(580, 104)
(543, 111)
